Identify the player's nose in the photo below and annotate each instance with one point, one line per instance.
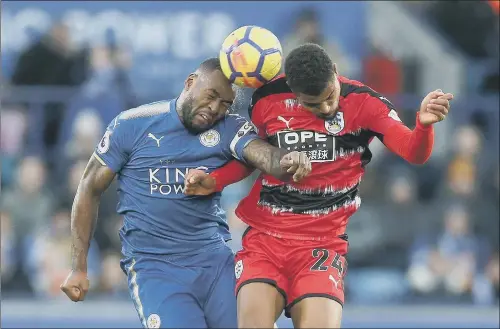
(324, 109)
(215, 106)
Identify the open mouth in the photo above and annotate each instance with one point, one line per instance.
(205, 118)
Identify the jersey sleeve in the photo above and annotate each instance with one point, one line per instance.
(232, 172)
(115, 146)
(415, 146)
(237, 133)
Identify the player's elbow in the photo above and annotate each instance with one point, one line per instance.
(418, 160)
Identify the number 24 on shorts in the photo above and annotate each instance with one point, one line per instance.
(323, 255)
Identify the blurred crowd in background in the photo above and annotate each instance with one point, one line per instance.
(423, 233)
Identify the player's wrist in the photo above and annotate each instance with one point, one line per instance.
(79, 266)
(421, 125)
(217, 182)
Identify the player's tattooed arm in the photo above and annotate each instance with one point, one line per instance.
(95, 180)
(277, 162)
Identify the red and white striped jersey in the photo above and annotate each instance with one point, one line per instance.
(319, 207)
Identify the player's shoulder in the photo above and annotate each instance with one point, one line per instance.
(356, 89)
(275, 87)
(140, 117)
(146, 111)
(231, 120)
(359, 93)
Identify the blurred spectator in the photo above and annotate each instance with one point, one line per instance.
(462, 169)
(50, 259)
(112, 279)
(107, 232)
(382, 73)
(449, 264)
(493, 274)
(491, 82)
(87, 131)
(29, 202)
(13, 128)
(51, 62)
(307, 30)
(108, 73)
(8, 244)
(68, 190)
(486, 289)
(388, 223)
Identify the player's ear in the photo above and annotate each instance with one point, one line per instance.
(189, 81)
(335, 69)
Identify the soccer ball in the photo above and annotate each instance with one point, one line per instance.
(251, 56)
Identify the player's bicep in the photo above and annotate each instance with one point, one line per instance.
(97, 176)
(239, 133)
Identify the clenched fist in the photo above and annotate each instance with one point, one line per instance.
(434, 107)
(297, 163)
(76, 286)
(198, 182)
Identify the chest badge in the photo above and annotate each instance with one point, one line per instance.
(336, 124)
(210, 138)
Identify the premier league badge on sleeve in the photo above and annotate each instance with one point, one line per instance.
(335, 125)
(103, 146)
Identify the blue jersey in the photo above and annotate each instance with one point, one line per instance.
(151, 151)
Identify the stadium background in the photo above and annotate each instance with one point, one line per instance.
(424, 245)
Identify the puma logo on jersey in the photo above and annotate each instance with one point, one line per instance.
(286, 122)
(335, 282)
(150, 135)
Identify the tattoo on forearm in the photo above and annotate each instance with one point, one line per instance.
(266, 158)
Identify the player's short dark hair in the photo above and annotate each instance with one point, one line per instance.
(308, 69)
(209, 65)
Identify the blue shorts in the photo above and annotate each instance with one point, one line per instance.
(184, 292)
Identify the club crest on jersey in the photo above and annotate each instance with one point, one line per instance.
(210, 138)
(103, 146)
(336, 124)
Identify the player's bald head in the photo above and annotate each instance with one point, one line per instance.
(208, 94)
(209, 65)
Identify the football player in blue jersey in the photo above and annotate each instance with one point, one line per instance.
(180, 270)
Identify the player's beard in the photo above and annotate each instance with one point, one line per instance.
(188, 113)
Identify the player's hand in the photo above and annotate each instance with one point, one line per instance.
(198, 182)
(76, 286)
(297, 163)
(434, 107)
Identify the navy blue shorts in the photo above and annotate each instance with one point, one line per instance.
(184, 292)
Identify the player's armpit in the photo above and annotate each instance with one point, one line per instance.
(232, 172)
(277, 162)
(95, 180)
